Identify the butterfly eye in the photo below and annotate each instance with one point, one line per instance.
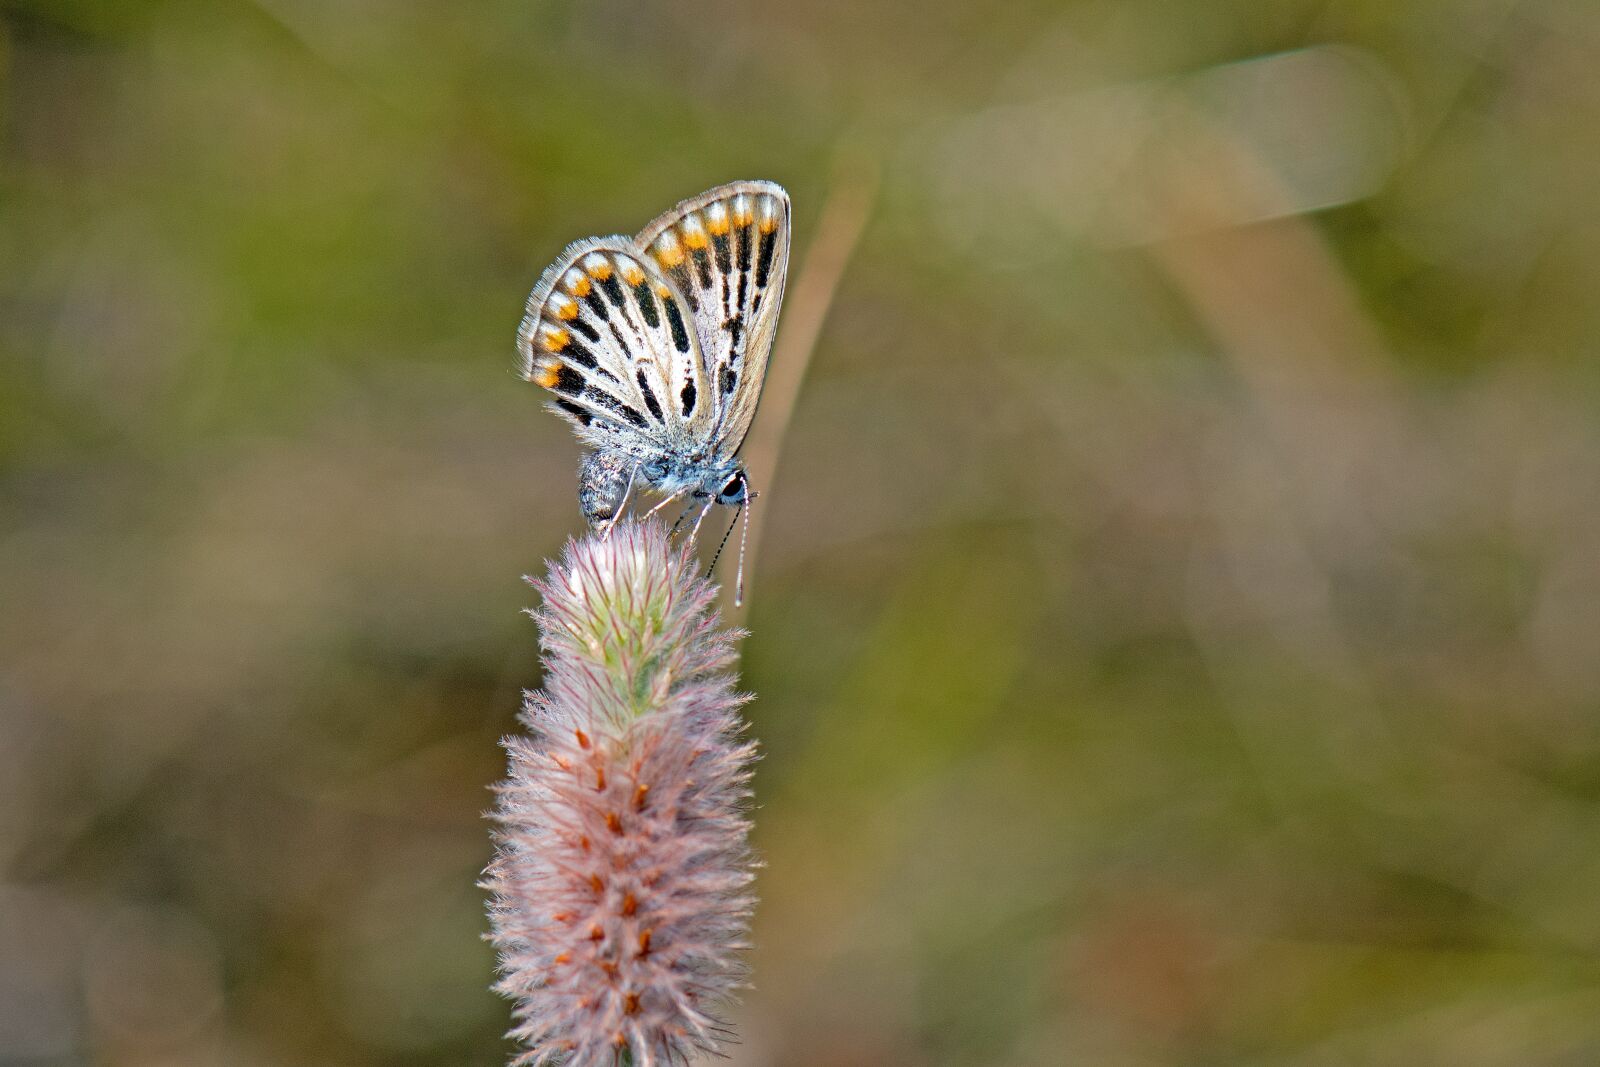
(732, 492)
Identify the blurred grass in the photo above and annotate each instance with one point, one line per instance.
(1175, 623)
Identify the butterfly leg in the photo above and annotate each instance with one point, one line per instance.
(694, 533)
(665, 502)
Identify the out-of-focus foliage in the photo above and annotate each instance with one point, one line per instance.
(1177, 613)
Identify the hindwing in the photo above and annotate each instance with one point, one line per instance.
(612, 339)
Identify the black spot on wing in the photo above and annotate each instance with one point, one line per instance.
(569, 381)
(575, 411)
(613, 289)
(601, 398)
(769, 245)
(680, 334)
(647, 303)
(728, 380)
(724, 253)
(685, 280)
(745, 234)
(650, 400)
(687, 396)
(584, 328)
(596, 305)
(702, 267)
(579, 354)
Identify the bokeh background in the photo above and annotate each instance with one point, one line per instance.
(1176, 616)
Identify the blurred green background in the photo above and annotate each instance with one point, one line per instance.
(1176, 618)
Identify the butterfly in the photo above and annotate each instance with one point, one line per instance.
(655, 347)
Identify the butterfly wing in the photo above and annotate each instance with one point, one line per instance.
(727, 252)
(607, 334)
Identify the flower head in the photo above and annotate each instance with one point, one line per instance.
(621, 883)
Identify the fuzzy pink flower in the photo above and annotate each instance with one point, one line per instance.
(621, 882)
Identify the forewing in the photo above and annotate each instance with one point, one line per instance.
(727, 252)
(606, 334)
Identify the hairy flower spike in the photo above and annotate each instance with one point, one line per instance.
(621, 882)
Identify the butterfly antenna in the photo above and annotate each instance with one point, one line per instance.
(723, 544)
(681, 517)
(744, 541)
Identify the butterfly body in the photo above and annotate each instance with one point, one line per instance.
(654, 348)
(606, 476)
